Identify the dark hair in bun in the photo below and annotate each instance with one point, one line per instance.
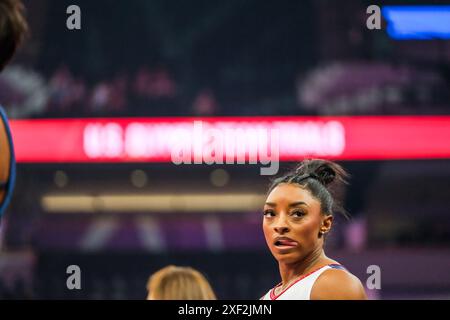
(324, 179)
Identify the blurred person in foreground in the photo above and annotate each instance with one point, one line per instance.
(13, 28)
(179, 283)
(298, 214)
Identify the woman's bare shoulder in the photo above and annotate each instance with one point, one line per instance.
(337, 284)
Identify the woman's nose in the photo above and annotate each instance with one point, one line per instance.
(281, 226)
(281, 230)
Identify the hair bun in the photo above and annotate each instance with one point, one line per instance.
(325, 174)
(324, 171)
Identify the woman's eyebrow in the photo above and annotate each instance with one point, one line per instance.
(298, 203)
(293, 204)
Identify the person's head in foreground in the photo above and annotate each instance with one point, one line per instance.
(298, 214)
(179, 283)
(13, 28)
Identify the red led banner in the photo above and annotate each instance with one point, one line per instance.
(153, 139)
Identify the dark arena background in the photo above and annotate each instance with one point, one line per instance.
(93, 111)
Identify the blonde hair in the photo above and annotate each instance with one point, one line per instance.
(179, 283)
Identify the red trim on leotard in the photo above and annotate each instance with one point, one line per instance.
(273, 296)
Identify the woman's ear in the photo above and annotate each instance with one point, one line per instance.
(327, 222)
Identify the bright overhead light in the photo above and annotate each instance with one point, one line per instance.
(236, 202)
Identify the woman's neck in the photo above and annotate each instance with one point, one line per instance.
(290, 272)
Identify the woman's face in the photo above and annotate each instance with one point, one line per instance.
(292, 222)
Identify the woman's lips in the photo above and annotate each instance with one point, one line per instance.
(285, 243)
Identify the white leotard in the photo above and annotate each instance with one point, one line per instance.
(301, 288)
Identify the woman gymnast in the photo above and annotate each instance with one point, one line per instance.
(298, 214)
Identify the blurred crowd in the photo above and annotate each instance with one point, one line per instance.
(147, 92)
(340, 88)
(373, 88)
(70, 94)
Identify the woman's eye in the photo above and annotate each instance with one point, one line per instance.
(298, 214)
(268, 213)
